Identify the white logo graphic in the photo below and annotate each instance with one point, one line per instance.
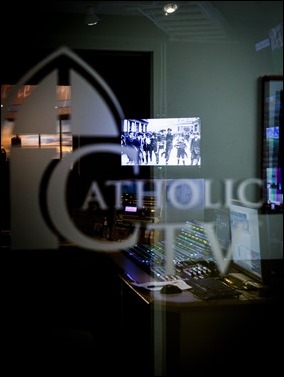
(39, 210)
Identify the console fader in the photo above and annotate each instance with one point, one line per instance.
(192, 255)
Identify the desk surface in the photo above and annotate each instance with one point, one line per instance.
(131, 273)
(192, 336)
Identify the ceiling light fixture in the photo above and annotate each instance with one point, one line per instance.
(91, 18)
(170, 8)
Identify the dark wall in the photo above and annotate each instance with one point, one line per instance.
(129, 74)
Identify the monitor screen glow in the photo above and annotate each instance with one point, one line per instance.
(130, 209)
(162, 141)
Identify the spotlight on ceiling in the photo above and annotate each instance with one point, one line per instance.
(170, 8)
(91, 18)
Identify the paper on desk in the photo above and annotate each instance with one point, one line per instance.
(157, 285)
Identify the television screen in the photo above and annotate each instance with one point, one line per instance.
(161, 141)
(274, 187)
(272, 133)
(272, 153)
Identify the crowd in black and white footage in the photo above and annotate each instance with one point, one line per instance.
(162, 148)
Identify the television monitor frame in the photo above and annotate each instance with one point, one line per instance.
(173, 142)
(272, 139)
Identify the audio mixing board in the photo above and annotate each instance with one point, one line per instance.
(191, 250)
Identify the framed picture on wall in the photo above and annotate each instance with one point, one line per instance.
(272, 139)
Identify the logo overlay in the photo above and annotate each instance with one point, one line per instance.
(41, 213)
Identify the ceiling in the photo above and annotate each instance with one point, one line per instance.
(194, 21)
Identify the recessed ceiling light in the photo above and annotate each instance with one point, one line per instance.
(91, 18)
(170, 8)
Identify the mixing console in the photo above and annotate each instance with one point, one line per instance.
(192, 255)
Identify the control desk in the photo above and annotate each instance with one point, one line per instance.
(188, 330)
(180, 334)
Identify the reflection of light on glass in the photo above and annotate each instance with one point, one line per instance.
(39, 140)
(276, 36)
(63, 98)
(6, 135)
(35, 140)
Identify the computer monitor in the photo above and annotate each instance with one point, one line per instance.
(245, 239)
(257, 243)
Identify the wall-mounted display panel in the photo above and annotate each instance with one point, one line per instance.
(272, 139)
